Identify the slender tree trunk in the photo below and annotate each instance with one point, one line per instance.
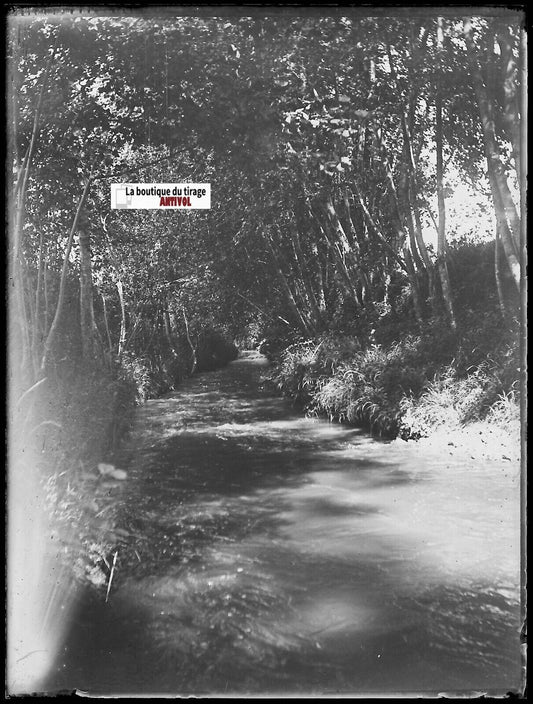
(320, 268)
(352, 230)
(46, 297)
(342, 249)
(389, 175)
(411, 228)
(304, 324)
(501, 194)
(106, 325)
(498, 274)
(377, 231)
(122, 336)
(353, 237)
(303, 217)
(37, 325)
(414, 215)
(168, 332)
(399, 210)
(193, 349)
(28, 296)
(304, 276)
(415, 287)
(52, 333)
(506, 237)
(439, 139)
(120, 290)
(511, 109)
(87, 322)
(423, 262)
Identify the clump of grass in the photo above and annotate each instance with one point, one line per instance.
(454, 400)
(504, 415)
(346, 383)
(409, 387)
(306, 366)
(366, 389)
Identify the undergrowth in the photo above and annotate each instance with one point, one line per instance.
(409, 387)
(71, 427)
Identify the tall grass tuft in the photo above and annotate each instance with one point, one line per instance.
(409, 387)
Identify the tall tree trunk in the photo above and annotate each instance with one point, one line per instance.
(504, 231)
(54, 328)
(418, 262)
(46, 296)
(321, 266)
(343, 250)
(120, 289)
(106, 325)
(193, 349)
(356, 249)
(37, 323)
(415, 286)
(304, 276)
(511, 108)
(303, 215)
(29, 302)
(304, 324)
(439, 139)
(411, 190)
(390, 176)
(501, 194)
(351, 231)
(414, 211)
(168, 331)
(377, 231)
(122, 336)
(87, 322)
(498, 274)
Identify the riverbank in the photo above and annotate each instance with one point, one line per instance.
(477, 441)
(268, 552)
(66, 435)
(459, 389)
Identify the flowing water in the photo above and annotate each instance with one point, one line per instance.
(276, 553)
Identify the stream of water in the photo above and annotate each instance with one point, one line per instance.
(277, 553)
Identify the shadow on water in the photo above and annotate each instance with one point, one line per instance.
(270, 552)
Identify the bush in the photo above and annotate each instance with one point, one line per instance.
(409, 387)
(335, 377)
(367, 389)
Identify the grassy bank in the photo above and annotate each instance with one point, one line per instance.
(411, 388)
(69, 429)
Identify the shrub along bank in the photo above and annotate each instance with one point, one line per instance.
(410, 387)
(70, 428)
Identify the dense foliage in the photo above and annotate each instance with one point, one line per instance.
(337, 147)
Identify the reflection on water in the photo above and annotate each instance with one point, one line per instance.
(278, 553)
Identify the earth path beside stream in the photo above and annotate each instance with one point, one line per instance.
(270, 552)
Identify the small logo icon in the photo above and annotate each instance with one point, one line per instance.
(121, 199)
